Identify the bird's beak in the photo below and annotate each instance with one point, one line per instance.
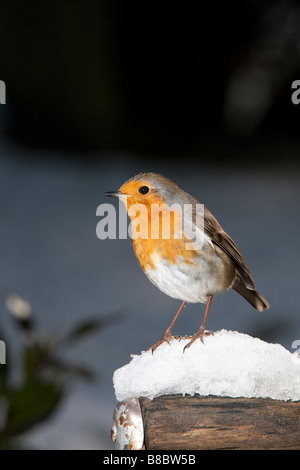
(116, 194)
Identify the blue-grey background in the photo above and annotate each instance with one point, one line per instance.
(94, 97)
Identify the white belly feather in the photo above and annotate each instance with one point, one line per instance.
(190, 282)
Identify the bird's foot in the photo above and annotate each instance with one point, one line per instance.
(200, 333)
(167, 337)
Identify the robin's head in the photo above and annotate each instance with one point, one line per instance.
(149, 188)
(164, 202)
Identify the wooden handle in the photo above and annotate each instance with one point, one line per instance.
(196, 422)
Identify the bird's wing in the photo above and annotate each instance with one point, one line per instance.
(220, 238)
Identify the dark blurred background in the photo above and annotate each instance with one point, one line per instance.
(150, 78)
(98, 91)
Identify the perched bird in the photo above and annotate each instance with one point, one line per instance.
(162, 247)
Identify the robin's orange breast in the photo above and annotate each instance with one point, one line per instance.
(158, 234)
(169, 250)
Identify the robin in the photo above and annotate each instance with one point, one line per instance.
(191, 275)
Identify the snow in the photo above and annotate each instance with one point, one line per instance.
(227, 364)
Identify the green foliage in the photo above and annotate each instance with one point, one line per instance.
(44, 375)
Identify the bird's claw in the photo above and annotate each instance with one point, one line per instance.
(200, 334)
(167, 337)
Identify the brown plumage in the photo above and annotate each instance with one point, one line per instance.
(243, 282)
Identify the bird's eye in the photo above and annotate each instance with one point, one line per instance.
(144, 190)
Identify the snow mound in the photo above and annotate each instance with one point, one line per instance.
(228, 364)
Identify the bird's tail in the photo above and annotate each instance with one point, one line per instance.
(253, 297)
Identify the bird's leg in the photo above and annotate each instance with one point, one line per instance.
(200, 332)
(167, 334)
